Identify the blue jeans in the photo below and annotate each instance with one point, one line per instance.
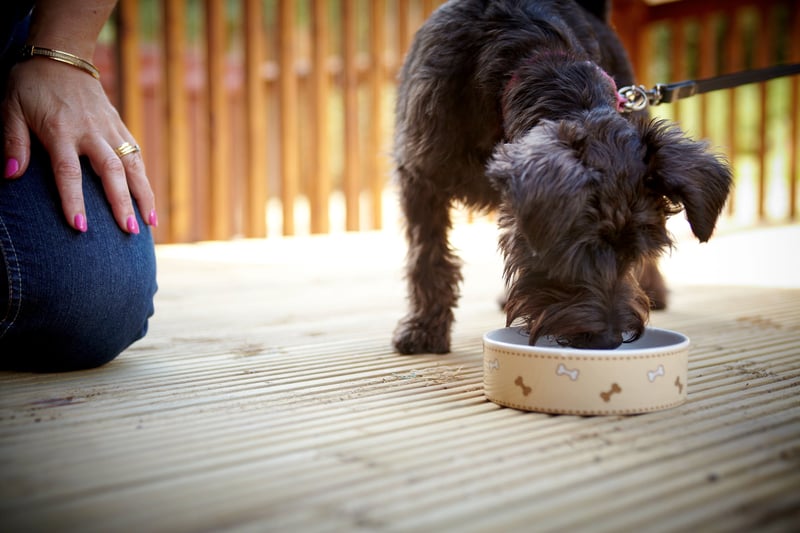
(68, 300)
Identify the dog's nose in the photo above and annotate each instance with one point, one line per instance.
(606, 340)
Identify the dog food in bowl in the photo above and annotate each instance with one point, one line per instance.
(648, 374)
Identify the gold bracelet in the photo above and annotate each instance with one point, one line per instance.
(29, 51)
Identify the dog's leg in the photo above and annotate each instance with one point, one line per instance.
(652, 283)
(433, 272)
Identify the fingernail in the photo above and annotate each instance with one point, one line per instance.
(153, 218)
(12, 165)
(80, 223)
(132, 225)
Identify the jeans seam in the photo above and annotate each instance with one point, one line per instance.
(13, 273)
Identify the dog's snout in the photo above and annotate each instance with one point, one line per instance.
(606, 340)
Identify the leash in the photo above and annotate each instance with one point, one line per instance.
(637, 97)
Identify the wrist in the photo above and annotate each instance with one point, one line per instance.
(31, 51)
(71, 26)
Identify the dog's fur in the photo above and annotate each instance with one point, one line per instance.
(510, 105)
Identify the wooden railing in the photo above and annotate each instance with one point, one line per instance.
(757, 126)
(263, 117)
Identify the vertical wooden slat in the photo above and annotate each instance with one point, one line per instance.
(629, 20)
(404, 32)
(706, 61)
(320, 188)
(763, 51)
(129, 85)
(794, 115)
(375, 157)
(219, 135)
(287, 94)
(129, 69)
(180, 215)
(256, 224)
(677, 29)
(733, 63)
(351, 178)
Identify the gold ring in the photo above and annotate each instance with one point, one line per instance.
(126, 148)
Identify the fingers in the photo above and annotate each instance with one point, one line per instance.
(109, 166)
(139, 186)
(69, 182)
(124, 179)
(72, 117)
(16, 143)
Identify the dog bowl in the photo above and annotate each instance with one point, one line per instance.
(648, 374)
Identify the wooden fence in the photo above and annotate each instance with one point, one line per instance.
(248, 109)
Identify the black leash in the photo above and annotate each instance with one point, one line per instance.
(637, 97)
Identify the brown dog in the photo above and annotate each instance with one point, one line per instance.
(512, 105)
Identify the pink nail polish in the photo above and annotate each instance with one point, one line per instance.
(80, 223)
(12, 165)
(153, 218)
(132, 225)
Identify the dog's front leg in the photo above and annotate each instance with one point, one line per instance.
(652, 283)
(433, 272)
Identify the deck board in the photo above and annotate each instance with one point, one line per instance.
(266, 397)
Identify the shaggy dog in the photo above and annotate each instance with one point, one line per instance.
(512, 105)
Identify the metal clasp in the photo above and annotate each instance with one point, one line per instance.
(637, 97)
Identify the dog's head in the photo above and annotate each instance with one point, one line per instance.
(585, 203)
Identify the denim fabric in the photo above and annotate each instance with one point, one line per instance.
(68, 300)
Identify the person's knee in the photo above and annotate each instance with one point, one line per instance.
(68, 300)
(83, 321)
(80, 339)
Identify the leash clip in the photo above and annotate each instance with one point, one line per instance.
(637, 97)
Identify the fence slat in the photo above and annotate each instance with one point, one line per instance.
(219, 125)
(129, 70)
(376, 81)
(706, 61)
(677, 29)
(763, 54)
(794, 114)
(287, 94)
(180, 201)
(352, 174)
(733, 63)
(320, 185)
(403, 27)
(256, 118)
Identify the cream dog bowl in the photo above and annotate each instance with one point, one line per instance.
(648, 374)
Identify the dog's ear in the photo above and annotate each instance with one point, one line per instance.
(687, 173)
(541, 180)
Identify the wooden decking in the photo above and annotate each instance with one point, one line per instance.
(266, 398)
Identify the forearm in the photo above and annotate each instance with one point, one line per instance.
(69, 25)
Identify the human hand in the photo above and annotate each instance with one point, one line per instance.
(70, 114)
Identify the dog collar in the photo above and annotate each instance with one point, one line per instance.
(622, 102)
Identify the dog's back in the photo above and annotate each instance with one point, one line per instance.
(455, 75)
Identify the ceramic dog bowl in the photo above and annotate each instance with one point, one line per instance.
(648, 374)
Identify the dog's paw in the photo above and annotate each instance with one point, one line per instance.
(414, 335)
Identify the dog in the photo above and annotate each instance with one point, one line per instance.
(512, 106)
